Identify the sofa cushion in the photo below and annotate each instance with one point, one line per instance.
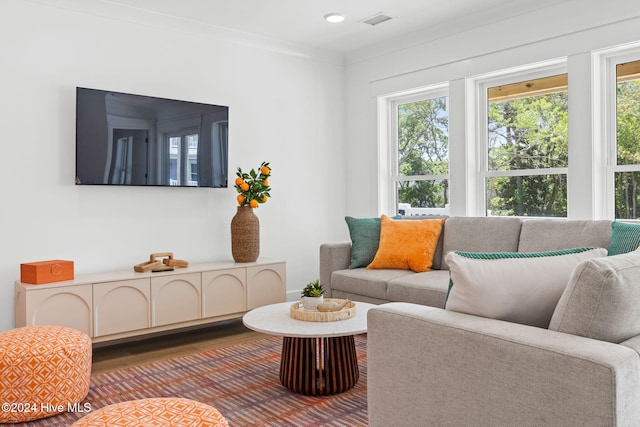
(407, 245)
(552, 234)
(516, 287)
(428, 288)
(625, 237)
(480, 235)
(601, 300)
(365, 239)
(361, 281)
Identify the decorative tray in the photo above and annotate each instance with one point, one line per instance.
(297, 311)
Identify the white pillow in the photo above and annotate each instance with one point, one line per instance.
(512, 286)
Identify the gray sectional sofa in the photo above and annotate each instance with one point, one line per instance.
(428, 366)
(471, 234)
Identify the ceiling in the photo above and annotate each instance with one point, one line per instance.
(301, 21)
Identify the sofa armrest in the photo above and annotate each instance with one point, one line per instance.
(633, 343)
(333, 256)
(428, 366)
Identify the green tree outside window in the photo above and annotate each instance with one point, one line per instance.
(423, 151)
(528, 133)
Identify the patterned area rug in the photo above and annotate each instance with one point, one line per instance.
(241, 381)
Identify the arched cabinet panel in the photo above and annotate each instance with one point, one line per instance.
(223, 292)
(70, 307)
(266, 284)
(121, 306)
(175, 299)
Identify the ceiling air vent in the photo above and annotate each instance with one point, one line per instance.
(378, 18)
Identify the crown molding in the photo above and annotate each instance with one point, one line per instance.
(161, 21)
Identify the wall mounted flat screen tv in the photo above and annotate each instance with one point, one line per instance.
(127, 139)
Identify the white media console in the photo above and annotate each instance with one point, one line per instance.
(123, 304)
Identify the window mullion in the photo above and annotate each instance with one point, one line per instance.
(526, 172)
(434, 177)
(625, 168)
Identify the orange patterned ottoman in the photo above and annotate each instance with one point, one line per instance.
(158, 412)
(44, 370)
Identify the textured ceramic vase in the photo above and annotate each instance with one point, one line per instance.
(245, 235)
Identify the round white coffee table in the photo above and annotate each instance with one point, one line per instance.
(318, 358)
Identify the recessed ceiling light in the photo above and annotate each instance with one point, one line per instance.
(334, 17)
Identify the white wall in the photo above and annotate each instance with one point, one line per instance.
(294, 107)
(286, 107)
(572, 29)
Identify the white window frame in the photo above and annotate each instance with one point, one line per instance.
(479, 86)
(388, 144)
(607, 60)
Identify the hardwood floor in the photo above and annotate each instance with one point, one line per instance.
(131, 353)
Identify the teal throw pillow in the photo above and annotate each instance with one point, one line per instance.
(365, 239)
(625, 238)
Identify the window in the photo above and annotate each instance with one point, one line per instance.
(525, 159)
(183, 159)
(122, 164)
(419, 153)
(626, 169)
(174, 159)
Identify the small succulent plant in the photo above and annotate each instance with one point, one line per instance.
(313, 289)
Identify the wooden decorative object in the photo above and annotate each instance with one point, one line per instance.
(170, 262)
(319, 366)
(40, 272)
(245, 235)
(154, 264)
(299, 313)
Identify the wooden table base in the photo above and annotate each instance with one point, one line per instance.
(319, 366)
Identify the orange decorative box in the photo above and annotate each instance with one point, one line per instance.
(55, 270)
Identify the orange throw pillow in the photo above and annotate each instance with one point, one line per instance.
(407, 244)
